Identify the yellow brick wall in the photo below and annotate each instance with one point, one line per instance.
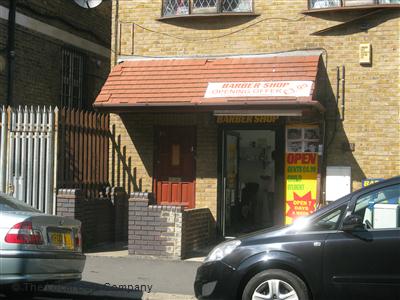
(372, 92)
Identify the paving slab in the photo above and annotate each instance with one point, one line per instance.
(148, 275)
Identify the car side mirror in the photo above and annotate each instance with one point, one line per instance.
(352, 222)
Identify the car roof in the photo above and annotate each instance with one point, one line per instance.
(18, 206)
(383, 183)
(348, 197)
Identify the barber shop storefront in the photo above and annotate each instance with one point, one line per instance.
(241, 137)
(268, 171)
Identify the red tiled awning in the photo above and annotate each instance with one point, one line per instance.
(183, 82)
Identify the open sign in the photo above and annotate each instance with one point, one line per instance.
(301, 158)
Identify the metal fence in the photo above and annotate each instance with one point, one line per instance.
(83, 140)
(43, 149)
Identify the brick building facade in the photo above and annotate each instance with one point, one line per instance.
(358, 126)
(50, 37)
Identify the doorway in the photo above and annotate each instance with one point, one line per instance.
(174, 166)
(248, 180)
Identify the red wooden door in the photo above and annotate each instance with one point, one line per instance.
(174, 174)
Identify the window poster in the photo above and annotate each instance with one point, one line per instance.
(231, 162)
(302, 139)
(301, 171)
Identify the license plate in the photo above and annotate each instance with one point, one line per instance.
(61, 240)
(68, 241)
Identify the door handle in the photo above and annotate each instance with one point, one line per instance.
(317, 244)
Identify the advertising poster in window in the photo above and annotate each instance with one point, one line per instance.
(301, 171)
(231, 162)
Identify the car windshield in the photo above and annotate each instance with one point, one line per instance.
(8, 203)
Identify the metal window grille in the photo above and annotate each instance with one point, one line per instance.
(204, 6)
(185, 7)
(72, 78)
(237, 5)
(175, 7)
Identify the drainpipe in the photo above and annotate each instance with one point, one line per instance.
(11, 51)
(116, 33)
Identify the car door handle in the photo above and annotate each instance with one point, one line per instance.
(317, 244)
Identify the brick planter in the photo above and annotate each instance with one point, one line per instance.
(104, 219)
(154, 229)
(157, 230)
(198, 230)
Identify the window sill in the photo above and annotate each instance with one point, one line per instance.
(350, 8)
(213, 15)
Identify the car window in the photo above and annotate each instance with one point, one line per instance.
(380, 209)
(329, 221)
(8, 203)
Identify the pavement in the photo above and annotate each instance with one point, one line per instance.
(111, 273)
(149, 275)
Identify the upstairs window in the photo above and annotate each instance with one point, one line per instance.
(316, 4)
(325, 3)
(200, 7)
(72, 78)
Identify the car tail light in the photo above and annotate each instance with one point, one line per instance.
(78, 240)
(23, 233)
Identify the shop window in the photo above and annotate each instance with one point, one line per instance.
(193, 7)
(319, 4)
(72, 78)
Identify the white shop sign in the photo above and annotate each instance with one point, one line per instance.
(259, 89)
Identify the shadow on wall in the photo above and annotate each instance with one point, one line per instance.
(198, 232)
(209, 23)
(132, 167)
(355, 22)
(122, 173)
(126, 163)
(337, 146)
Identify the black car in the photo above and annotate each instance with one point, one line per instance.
(349, 249)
